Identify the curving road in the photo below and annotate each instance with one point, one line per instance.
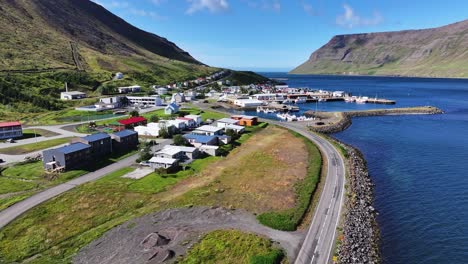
(319, 241)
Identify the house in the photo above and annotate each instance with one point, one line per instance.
(153, 100)
(72, 156)
(223, 122)
(101, 144)
(164, 163)
(245, 120)
(154, 129)
(178, 98)
(186, 152)
(74, 95)
(208, 130)
(161, 90)
(119, 76)
(129, 89)
(235, 128)
(197, 118)
(10, 130)
(124, 140)
(210, 150)
(189, 122)
(132, 122)
(178, 124)
(169, 153)
(199, 140)
(171, 109)
(112, 102)
(224, 139)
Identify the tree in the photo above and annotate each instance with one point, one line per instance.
(154, 118)
(134, 113)
(179, 140)
(145, 154)
(164, 133)
(233, 134)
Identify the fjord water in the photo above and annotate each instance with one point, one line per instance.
(419, 163)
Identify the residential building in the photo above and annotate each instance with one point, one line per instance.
(208, 130)
(171, 109)
(197, 118)
(101, 144)
(169, 153)
(72, 156)
(178, 98)
(129, 89)
(179, 124)
(10, 130)
(235, 128)
(189, 122)
(154, 129)
(124, 140)
(132, 122)
(224, 139)
(245, 120)
(210, 150)
(184, 152)
(200, 140)
(164, 163)
(223, 122)
(74, 95)
(248, 102)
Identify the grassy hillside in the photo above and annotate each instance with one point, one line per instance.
(437, 52)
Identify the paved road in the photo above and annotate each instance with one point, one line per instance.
(14, 211)
(319, 241)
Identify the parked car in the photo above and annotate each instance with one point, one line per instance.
(10, 140)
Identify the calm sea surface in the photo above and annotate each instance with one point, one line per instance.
(419, 164)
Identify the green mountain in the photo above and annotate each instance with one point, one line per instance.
(78, 34)
(435, 52)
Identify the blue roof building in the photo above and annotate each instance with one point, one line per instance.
(101, 144)
(72, 156)
(199, 140)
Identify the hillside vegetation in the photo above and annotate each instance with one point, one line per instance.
(435, 52)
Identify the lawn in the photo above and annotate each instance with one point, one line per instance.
(231, 246)
(28, 148)
(30, 133)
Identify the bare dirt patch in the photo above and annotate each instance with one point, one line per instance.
(162, 237)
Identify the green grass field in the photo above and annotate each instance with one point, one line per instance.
(231, 246)
(28, 148)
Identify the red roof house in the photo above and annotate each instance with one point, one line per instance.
(133, 121)
(10, 130)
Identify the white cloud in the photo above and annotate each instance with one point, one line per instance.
(309, 9)
(350, 19)
(213, 6)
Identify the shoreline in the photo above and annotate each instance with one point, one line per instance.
(376, 76)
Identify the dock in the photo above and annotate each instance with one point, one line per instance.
(380, 101)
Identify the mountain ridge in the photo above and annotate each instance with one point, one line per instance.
(433, 52)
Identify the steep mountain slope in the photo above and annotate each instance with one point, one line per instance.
(436, 52)
(77, 34)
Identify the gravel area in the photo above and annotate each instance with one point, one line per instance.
(162, 237)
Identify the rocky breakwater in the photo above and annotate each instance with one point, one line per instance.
(361, 236)
(344, 119)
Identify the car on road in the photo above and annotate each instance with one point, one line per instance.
(10, 140)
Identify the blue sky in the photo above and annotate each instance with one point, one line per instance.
(275, 34)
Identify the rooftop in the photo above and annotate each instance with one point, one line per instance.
(228, 121)
(9, 124)
(200, 138)
(125, 133)
(180, 148)
(96, 137)
(73, 148)
(162, 160)
(73, 93)
(132, 120)
(235, 127)
(208, 128)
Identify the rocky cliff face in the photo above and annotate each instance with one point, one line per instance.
(437, 52)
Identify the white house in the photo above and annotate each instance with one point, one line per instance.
(153, 129)
(178, 98)
(119, 76)
(181, 152)
(171, 109)
(236, 128)
(73, 95)
(129, 89)
(197, 118)
(189, 122)
(208, 130)
(164, 163)
(210, 150)
(248, 102)
(223, 122)
(179, 124)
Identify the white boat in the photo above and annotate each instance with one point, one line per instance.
(300, 100)
(362, 100)
(350, 99)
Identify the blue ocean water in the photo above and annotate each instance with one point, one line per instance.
(418, 163)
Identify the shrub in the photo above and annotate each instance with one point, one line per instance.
(274, 257)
